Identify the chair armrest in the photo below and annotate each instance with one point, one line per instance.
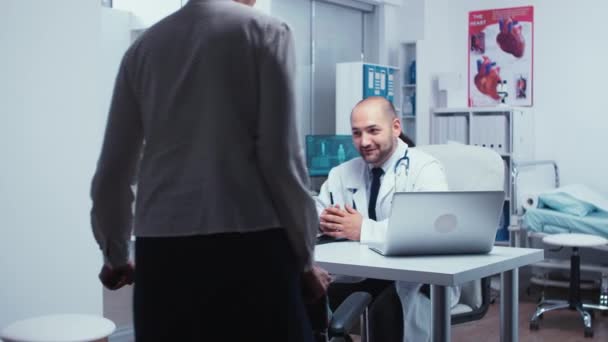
(476, 313)
(348, 313)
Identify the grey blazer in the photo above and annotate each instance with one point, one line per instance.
(206, 98)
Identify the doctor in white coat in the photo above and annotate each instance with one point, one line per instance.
(344, 200)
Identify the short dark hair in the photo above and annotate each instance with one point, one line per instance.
(407, 140)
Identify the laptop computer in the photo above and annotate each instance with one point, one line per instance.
(454, 222)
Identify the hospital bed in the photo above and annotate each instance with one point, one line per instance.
(530, 224)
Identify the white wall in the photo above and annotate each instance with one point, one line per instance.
(411, 20)
(49, 141)
(569, 80)
(434, 55)
(389, 38)
(296, 13)
(264, 5)
(115, 40)
(147, 12)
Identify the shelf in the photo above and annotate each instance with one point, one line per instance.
(408, 85)
(474, 110)
(456, 111)
(491, 113)
(409, 117)
(450, 113)
(484, 110)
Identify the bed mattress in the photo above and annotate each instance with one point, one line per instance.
(553, 222)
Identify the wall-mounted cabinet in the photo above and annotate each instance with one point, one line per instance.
(358, 80)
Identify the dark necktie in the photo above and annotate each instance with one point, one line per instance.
(376, 174)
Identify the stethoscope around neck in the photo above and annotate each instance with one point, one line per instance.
(403, 162)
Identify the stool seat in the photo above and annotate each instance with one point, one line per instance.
(574, 240)
(59, 328)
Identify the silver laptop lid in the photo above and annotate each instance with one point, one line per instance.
(453, 222)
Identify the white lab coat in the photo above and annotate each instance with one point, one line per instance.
(348, 184)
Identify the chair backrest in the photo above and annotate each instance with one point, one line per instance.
(469, 168)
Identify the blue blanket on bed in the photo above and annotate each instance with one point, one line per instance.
(553, 222)
(571, 209)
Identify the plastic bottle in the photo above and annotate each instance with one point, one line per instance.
(341, 154)
(412, 72)
(408, 109)
(413, 99)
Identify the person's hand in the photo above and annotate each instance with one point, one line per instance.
(340, 223)
(323, 224)
(326, 212)
(115, 278)
(314, 283)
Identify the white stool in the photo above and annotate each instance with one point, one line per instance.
(60, 328)
(574, 299)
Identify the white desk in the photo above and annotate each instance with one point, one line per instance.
(354, 259)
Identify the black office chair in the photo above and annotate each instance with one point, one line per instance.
(470, 168)
(386, 315)
(335, 326)
(474, 303)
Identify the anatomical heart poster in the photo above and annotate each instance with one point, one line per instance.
(500, 56)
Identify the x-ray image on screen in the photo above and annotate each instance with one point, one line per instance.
(323, 152)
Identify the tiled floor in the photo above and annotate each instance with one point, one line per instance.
(562, 326)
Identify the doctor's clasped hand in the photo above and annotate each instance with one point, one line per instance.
(341, 223)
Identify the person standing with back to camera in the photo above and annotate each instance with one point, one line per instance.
(225, 228)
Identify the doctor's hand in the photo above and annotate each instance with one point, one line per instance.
(340, 223)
